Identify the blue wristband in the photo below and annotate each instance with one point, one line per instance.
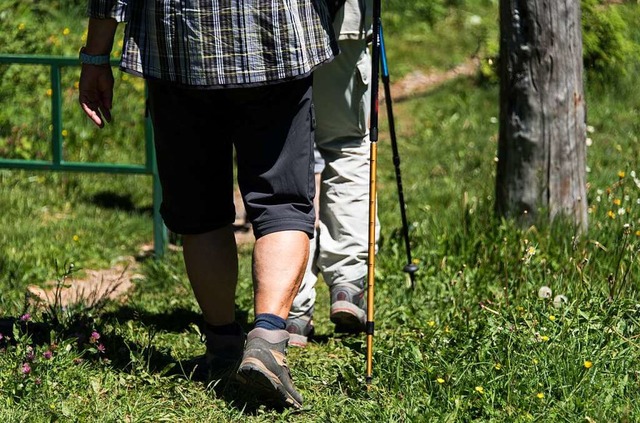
(90, 59)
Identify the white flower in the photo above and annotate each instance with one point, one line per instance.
(591, 129)
(559, 301)
(621, 211)
(589, 142)
(545, 292)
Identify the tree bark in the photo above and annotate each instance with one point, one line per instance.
(541, 147)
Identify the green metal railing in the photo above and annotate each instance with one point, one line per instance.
(57, 163)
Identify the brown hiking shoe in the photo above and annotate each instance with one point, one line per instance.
(264, 367)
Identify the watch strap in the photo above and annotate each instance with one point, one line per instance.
(90, 59)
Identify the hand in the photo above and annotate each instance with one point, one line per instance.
(96, 93)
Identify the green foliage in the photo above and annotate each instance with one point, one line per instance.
(608, 45)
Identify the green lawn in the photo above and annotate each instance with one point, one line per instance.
(473, 342)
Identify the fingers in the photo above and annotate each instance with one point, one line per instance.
(91, 110)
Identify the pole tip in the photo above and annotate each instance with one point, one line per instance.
(411, 268)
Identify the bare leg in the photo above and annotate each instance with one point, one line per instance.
(211, 260)
(279, 261)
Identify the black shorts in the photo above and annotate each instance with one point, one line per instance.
(271, 128)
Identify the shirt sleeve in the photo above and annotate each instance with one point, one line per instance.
(105, 9)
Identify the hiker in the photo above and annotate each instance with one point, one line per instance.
(221, 75)
(342, 99)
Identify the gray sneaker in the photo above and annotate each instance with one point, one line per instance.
(300, 329)
(348, 308)
(264, 367)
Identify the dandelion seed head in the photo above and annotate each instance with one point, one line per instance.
(559, 301)
(544, 292)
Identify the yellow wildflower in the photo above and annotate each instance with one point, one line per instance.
(440, 380)
(544, 338)
(588, 364)
(21, 27)
(66, 31)
(76, 238)
(540, 395)
(552, 317)
(49, 92)
(431, 323)
(637, 233)
(611, 214)
(480, 389)
(65, 132)
(498, 366)
(621, 174)
(617, 201)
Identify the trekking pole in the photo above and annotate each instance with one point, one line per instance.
(373, 165)
(410, 268)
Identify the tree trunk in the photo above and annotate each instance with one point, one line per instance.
(541, 147)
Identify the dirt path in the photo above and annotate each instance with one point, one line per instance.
(115, 282)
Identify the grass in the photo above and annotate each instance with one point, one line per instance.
(473, 342)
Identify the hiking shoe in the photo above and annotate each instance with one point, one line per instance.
(223, 353)
(300, 329)
(348, 307)
(264, 367)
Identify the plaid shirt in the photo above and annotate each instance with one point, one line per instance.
(221, 42)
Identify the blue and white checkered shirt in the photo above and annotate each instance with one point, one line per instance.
(214, 43)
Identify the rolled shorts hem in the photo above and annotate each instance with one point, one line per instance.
(194, 230)
(281, 225)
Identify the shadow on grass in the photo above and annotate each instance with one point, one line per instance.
(111, 200)
(130, 357)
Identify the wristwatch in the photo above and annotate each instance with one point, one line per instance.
(90, 59)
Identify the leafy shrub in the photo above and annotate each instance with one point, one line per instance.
(607, 43)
